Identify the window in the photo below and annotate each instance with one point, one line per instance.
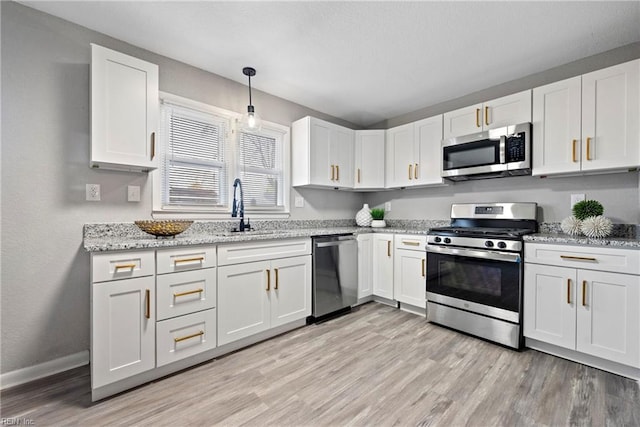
(201, 155)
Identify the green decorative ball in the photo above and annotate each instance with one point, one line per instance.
(586, 208)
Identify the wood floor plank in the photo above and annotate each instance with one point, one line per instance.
(375, 366)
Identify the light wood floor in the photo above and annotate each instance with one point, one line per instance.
(376, 366)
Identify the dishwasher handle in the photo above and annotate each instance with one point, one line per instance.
(333, 243)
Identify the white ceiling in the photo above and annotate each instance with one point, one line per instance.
(364, 61)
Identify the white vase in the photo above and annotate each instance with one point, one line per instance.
(363, 217)
(378, 223)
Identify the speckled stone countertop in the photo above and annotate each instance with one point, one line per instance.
(126, 236)
(561, 238)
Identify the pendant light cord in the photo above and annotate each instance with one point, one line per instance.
(250, 103)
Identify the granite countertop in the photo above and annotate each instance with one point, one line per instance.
(561, 238)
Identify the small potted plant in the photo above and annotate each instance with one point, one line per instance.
(378, 218)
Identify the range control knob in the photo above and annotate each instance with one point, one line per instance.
(447, 240)
(488, 244)
(437, 240)
(502, 245)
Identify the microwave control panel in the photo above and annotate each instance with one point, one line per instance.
(515, 148)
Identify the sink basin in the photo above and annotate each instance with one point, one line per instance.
(247, 233)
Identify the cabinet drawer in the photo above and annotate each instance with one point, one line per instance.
(411, 242)
(590, 258)
(236, 253)
(185, 292)
(172, 260)
(121, 265)
(185, 336)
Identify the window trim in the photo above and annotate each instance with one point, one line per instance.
(231, 142)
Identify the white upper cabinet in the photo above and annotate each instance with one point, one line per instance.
(369, 160)
(124, 111)
(588, 123)
(413, 156)
(322, 154)
(505, 111)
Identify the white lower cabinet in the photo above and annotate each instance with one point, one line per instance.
(185, 336)
(584, 309)
(410, 270)
(383, 265)
(256, 296)
(365, 265)
(123, 327)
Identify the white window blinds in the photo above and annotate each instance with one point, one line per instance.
(260, 160)
(194, 167)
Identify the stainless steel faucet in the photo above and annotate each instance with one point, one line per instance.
(238, 206)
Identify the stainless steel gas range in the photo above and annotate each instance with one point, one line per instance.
(475, 270)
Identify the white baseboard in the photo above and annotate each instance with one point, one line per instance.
(30, 373)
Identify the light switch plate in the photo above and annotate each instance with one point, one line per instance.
(299, 202)
(133, 193)
(575, 198)
(387, 206)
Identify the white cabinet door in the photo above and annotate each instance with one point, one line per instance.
(369, 164)
(508, 110)
(383, 265)
(409, 277)
(463, 121)
(556, 127)
(365, 265)
(342, 148)
(243, 300)
(549, 304)
(290, 292)
(608, 316)
(123, 329)
(399, 156)
(610, 117)
(427, 151)
(124, 111)
(319, 151)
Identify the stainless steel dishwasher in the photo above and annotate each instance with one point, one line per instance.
(335, 275)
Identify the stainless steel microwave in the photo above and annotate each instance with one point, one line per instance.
(494, 153)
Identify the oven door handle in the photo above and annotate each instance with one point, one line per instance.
(497, 256)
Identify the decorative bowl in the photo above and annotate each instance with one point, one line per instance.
(163, 228)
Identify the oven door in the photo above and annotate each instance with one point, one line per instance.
(481, 281)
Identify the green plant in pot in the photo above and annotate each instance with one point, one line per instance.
(378, 217)
(586, 208)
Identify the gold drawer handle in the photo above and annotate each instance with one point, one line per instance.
(578, 258)
(486, 116)
(337, 173)
(268, 280)
(333, 172)
(568, 291)
(423, 268)
(573, 150)
(200, 259)
(188, 337)
(276, 287)
(182, 294)
(389, 248)
(415, 171)
(358, 175)
(477, 117)
(123, 266)
(588, 148)
(584, 293)
(410, 174)
(147, 305)
(410, 243)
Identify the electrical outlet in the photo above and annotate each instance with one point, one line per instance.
(299, 202)
(387, 206)
(575, 198)
(93, 192)
(133, 193)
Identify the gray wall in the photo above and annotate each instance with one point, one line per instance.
(45, 155)
(45, 166)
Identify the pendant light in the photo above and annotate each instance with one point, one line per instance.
(251, 121)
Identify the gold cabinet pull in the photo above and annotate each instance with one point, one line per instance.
(147, 304)
(415, 171)
(358, 175)
(578, 258)
(389, 248)
(182, 294)
(199, 258)
(588, 148)
(188, 337)
(410, 243)
(276, 271)
(268, 280)
(584, 293)
(486, 115)
(573, 150)
(568, 291)
(337, 172)
(333, 172)
(153, 145)
(410, 174)
(123, 266)
(423, 268)
(477, 117)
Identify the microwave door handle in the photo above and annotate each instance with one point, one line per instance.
(503, 149)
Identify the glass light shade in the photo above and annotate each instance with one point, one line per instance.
(251, 121)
